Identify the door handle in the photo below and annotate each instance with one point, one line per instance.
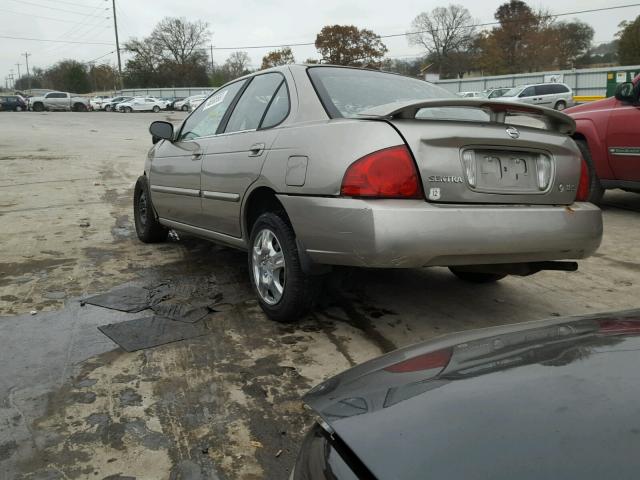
(256, 149)
(196, 156)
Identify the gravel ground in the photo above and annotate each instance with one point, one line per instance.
(225, 405)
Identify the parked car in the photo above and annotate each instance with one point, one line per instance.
(185, 104)
(161, 101)
(495, 92)
(141, 104)
(196, 101)
(99, 102)
(112, 106)
(172, 101)
(552, 95)
(470, 94)
(608, 134)
(371, 169)
(14, 103)
(546, 399)
(59, 101)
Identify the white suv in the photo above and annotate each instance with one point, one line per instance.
(552, 95)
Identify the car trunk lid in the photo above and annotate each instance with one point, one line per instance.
(481, 151)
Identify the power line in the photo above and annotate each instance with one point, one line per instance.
(37, 16)
(46, 6)
(70, 3)
(487, 24)
(52, 41)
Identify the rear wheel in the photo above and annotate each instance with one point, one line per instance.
(38, 107)
(561, 105)
(18, 108)
(285, 293)
(477, 277)
(128, 109)
(184, 108)
(107, 108)
(80, 107)
(156, 109)
(596, 191)
(148, 229)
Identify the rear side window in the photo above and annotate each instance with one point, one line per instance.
(560, 88)
(254, 102)
(278, 109)
(544, 89)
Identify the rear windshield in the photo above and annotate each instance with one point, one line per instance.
(345, 92)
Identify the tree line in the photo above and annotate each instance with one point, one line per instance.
(522, 39)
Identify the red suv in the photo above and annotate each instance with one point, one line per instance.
(608, 134)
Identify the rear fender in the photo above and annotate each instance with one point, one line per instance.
(586, 129)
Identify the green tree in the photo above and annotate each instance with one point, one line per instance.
(629, 42)
(573, 40)
(283, 56)
(348, 45)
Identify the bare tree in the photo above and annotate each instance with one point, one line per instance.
(180, 38)
(443, 32)
(237, 64)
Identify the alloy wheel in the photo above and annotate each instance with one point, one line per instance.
(268, 266)
(143, 208)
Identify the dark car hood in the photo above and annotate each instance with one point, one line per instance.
(551, 399)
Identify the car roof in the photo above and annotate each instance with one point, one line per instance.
(550, 399)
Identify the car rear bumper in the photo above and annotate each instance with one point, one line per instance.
(414, 233)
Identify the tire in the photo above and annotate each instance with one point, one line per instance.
(128, 109)
(80, 107)
(38, 107)
(107, 108)
(18, 108)
(184, 108)
(561, 105)
(477, 277)
(273, 238)
(596, 191)
(148, 228)
(156, 109)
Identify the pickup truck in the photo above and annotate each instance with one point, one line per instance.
(59, 101)
(608, 135)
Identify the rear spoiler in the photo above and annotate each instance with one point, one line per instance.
(497, 110)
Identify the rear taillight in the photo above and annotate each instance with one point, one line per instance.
(583, 187)
(543, 168)
(437, 359)
(388, 173)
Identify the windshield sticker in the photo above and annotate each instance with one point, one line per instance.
(215, 100)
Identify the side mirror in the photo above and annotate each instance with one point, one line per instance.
(161, 131)
(624, 92)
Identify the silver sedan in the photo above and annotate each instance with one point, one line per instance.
(306, 167)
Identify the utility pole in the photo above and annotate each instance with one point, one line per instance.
(26, 59)
(115, 26)
(211, 47)
(18, 65)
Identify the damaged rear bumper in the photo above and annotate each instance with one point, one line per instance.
(415, 233)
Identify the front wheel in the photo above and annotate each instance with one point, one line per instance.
(285, 293)
(18, 108)
(477, 277)
(107, 108)
(156, 109)
(185, 108)
(148, 229)
(561, 105)
(128, 109)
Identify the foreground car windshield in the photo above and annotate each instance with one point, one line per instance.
(346, 92)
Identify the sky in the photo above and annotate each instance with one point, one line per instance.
(238, 23)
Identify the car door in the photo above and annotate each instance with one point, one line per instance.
(234, 158)
(527, 95)
(176, 166)
(543, 95)
(623, 139)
